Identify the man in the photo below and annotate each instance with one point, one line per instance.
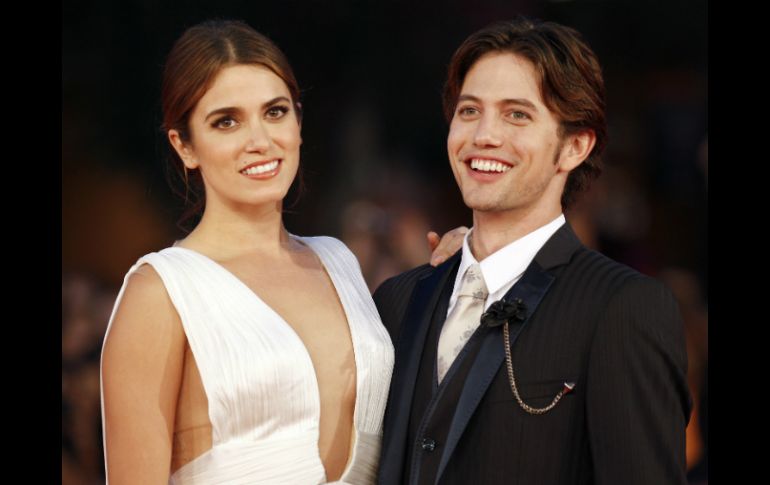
(593, 389)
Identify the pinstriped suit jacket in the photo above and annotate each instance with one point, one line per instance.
(613, 331)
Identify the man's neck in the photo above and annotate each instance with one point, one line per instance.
(494, 230)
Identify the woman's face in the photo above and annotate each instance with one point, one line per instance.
(244, 138)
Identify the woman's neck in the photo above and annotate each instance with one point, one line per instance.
(230, 234)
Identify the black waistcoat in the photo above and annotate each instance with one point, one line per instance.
(433, 406)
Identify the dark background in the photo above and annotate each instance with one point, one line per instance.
(374, 152)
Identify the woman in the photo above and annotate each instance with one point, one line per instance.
(242, 354)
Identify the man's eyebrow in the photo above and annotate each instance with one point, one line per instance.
(520, 102)
(515, 101)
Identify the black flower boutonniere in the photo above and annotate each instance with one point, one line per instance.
(503, 311)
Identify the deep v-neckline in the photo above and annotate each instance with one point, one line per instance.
(279, 318)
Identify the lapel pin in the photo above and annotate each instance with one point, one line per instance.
(502, 311)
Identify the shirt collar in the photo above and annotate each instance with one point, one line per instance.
(510, 261)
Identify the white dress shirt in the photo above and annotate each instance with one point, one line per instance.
(503, 268)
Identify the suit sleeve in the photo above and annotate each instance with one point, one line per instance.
(638, 402)
(392, 298)
(383, 299)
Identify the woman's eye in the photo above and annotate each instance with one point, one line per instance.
(225, 123)
(277, 112)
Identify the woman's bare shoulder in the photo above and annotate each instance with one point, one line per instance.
(145, 310)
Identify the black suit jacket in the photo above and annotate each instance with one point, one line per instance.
(613, 331)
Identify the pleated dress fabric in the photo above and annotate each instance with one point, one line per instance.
(258, 376)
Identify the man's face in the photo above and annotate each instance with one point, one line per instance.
(503, 142)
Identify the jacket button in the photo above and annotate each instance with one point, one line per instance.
(428, 444)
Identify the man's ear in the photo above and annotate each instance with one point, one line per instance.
(576, 149)
(182, 149)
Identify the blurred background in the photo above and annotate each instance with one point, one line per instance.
(374, 153)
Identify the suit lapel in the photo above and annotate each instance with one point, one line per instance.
(531, 288)
(410, 345)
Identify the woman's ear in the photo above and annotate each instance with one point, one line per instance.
(576, 149)
(298, 111)
(184, 150)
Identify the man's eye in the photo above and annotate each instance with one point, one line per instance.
(519, 115)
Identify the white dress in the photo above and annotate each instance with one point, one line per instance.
(258, 377)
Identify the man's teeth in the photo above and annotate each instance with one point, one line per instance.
(489, 165)
(265, 167)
